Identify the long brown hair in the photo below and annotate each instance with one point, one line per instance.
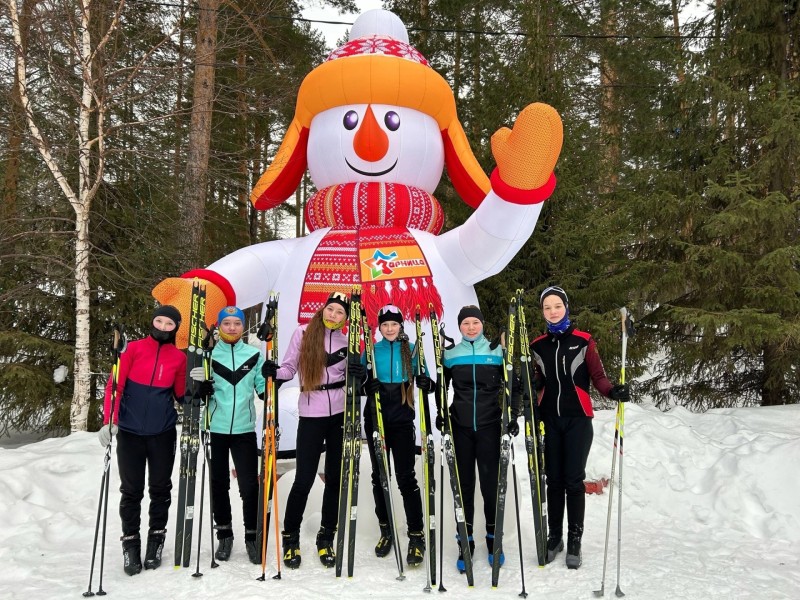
(405, 355)
(313, 357)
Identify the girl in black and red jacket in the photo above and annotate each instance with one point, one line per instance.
(565, 361)
(151, 377)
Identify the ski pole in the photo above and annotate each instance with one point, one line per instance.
(523, 593)
(627, 329)
(117, 347)
(619, 421)
(208, 345)
(274, 441)
(208, 454)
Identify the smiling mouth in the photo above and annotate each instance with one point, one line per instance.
(367, 173)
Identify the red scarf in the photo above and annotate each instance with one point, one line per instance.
(386, 261)
(350, 205)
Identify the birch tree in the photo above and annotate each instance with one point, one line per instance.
(91, 161)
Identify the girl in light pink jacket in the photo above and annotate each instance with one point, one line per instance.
(317, 354)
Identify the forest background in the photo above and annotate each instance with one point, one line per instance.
(132, 131)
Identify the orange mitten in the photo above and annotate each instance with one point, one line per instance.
(527, 155)
(177, 291)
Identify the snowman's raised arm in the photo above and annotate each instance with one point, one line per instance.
(522, 181)
(489, 239)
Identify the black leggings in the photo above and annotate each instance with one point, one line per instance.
(242, 447)
(480, 447)
(312, 432)
(566, 450)
(156, 453)
(401, 446)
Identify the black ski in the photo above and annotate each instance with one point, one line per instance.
(190, 431)
(505, 442)
(428, 463)
(534, 438)
(448, 449)
(379, 444)
(351, 446)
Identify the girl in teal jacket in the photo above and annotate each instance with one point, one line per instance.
(231, 418)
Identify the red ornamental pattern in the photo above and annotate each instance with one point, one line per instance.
(335, 266)
(374, 204)
(378, 44)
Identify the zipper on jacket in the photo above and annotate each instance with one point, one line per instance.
(152, 379)
(474, 390)
(558, 378)
(233, 370)
(391, 361)
(328, 376)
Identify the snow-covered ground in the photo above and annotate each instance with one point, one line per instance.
(711, 510)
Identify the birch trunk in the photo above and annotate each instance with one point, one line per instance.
(90, 174)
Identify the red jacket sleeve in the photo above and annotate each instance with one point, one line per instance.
(125, 360)
(179, 387)
(596, 370)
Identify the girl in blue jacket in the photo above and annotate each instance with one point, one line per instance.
(236, 368)
(395, 365)
(475, 368)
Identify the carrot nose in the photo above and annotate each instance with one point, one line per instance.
(371, 142)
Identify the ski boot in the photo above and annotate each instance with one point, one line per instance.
(132, 553)
(291, 549)
(416, 548)
(155, 545)
(574, 535)
(555, 544)
(325, 547)
(225, 539)
(460, 565)
(253, 549)
(490, 547)
(384, 545)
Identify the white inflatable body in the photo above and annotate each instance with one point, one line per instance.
(459, 258)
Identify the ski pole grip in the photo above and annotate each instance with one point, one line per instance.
(119, 341)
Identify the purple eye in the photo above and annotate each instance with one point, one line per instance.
(392, 120)
(350, 120)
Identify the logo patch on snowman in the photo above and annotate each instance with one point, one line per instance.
(392, 263)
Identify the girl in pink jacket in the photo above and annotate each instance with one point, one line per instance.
(317, 354)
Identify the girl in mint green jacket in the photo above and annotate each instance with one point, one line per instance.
(237, 378)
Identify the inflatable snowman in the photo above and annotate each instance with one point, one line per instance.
(375, 125)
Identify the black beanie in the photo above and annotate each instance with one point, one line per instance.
(390, 313)
(168, 311)
(553, 290)
(341, 299)
(470, 311)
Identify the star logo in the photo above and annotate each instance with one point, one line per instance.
(380, 264)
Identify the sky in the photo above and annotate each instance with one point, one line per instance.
(710, 511)
(332, 33)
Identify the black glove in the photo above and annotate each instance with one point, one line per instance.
(206, 388)
(513, 428)
(440, 422)
(620, 392)
(424, 383)
(373, 386)
(270, 369)
(356, 370)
